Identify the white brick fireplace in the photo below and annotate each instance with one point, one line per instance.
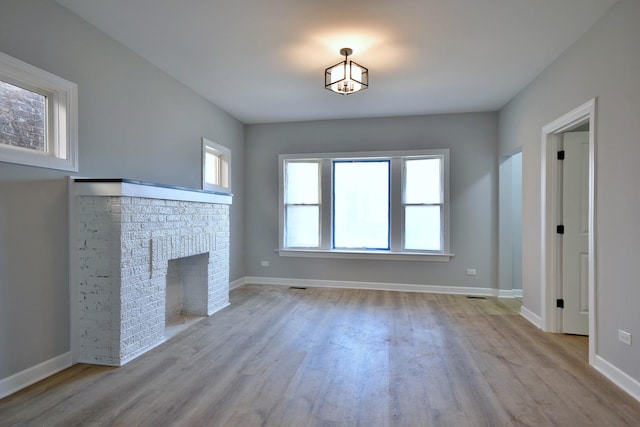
(127, 234)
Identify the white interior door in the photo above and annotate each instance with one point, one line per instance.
(575, 247)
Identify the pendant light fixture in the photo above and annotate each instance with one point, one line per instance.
(346, 77)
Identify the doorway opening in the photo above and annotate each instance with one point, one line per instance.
(568, 195)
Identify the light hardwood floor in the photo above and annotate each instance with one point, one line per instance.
(327, 357)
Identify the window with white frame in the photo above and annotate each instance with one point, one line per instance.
(302, 204)
(360, 217)
(38, 117)
(216, 166)
(365, 205)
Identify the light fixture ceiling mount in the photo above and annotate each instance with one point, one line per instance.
(346, 77)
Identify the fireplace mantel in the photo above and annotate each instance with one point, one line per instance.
(125, 234)
(120, 187)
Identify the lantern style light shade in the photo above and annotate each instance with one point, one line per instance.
(346, 77)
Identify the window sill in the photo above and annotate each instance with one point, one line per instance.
(372, 255)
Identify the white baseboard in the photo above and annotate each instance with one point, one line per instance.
(341, 284)
(510, 293)
(34, 374)
(237, 283)
(618, 377)
(531, 317)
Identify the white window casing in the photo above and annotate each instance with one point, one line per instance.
(216, 167)
(437, 251)
(61, 144)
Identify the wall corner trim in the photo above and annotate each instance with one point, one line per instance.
(237, 283)
(531, 317)
(618, 377)
(34, 374)
(510, 293)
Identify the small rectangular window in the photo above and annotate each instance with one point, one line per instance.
(216, 162)
(23, 118)
(212, 169)
(38, 117)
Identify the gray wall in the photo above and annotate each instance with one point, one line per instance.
(34, 278)
(510, 223)
(604, 63)
(472, 139)
(134, 122)
(516, 219)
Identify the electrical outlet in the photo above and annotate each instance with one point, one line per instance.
(624, 337)
(264, 263)
(471, 272)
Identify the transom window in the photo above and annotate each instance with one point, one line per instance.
(23, 115)
(38, 117)
(365, 205)
(216, 167)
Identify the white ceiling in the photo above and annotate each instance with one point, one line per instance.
(264, 60)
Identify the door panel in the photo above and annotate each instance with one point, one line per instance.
(584, 284)
(575, 218)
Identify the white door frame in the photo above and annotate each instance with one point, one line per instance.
(551, 134)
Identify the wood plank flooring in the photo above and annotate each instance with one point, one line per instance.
(328, 357)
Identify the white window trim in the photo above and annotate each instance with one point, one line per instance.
(225, 166)
(397, 176)
(62, 103)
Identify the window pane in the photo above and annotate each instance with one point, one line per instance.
(302, 182)
(302, 227)
(212, 168)
(422, 228)
(361, 204)
(22, 117)
(422, 181)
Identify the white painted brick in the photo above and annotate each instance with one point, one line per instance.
(122, 295)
